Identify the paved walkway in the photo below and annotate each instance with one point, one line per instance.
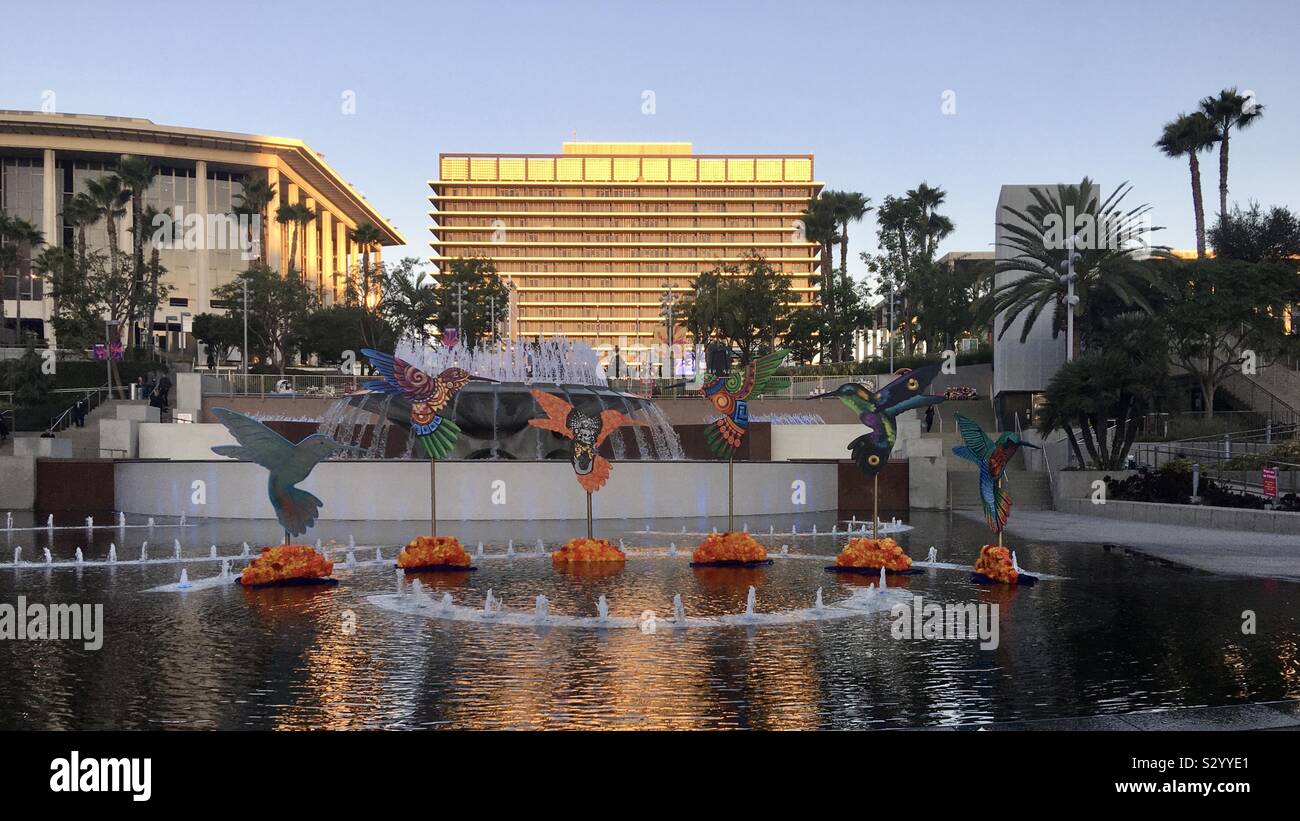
(1269, 715)
(1230, 552)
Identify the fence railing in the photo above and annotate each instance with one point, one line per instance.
(93, 398)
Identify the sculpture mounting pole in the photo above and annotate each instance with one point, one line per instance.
(875, 505)
(731, 464)
(433, 495)
(589, 514)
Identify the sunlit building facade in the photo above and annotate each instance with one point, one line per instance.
(47, 158)
(592, 239)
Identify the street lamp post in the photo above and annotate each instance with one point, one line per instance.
(891, 325)
(1071, 257)
(243, 354)
(669, 300)
(109, 324)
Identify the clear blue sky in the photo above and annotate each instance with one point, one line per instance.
(1045, 92)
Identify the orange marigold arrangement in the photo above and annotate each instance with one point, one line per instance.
(587, 550)
(729, 547)
(995, 563)
(874, 553)
(286, 562)
(433, 551)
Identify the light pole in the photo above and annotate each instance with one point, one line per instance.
(891, 325)
(669, 300)
(460, 312)
(109, 324)
(243, 354)
(1071, 257)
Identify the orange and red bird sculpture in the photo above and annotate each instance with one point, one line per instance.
(585, 434)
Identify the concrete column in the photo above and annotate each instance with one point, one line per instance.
(327, 255)
(341, 258)
(311, 272)
(271, 231)
(202, 281)
(51, 185)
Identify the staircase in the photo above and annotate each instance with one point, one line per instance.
(1030, 490)
(85, 441)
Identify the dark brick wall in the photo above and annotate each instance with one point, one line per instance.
(74, 485)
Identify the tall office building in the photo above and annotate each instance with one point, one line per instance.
(592, 238)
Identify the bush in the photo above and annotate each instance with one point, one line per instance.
(1171, 483)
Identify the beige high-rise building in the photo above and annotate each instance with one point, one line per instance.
(592, 238)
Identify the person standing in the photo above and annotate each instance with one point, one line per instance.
(929, 418)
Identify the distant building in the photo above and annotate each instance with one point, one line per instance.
(591, 238)
(47, 158)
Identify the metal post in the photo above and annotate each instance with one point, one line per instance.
(1070, 298)
(460, 312)
(244, 352)
(891, 326)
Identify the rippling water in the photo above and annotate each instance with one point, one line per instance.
(1122, 633)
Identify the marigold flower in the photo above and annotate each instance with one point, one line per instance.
(284, 562)
(426, 551)
(874, 553)
(995, 562)
(587, 550)
(729, 547)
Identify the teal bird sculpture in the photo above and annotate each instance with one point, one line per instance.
(878, 411)
(287, 465)
(992, 458)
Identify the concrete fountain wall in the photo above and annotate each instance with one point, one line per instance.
(479, 490)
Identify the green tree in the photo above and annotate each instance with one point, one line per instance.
(219, 333)
(92, 302)
(409, 303)
(298, 215)
(18, 239)
(747, 306)
(1229, 110)
(277, 306)
(1256, 236)
(109, 198)
(80, 213)
(1187, 136)
(255, 196)
(466, 294)
(1224, 314)
(26, 377)
(331, 332)
(1109, 238)
(367, 238)
(1099, 399)
(136, 174)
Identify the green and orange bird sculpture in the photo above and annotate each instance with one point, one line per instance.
(585, 433)
(429, 397)
(729, 394)
(992, 458)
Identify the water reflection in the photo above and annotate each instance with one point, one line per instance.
(1121, 634)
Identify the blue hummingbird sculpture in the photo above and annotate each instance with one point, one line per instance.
(992, 458)
(878, 410)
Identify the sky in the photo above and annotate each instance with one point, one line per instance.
(1043, 92)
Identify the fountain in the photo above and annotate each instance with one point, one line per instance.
(184, 583)
(446, 601)
(479, 550)
(882, 579)
(144, 551)
(212, 552)
(817, 603)
(379, 554)
(542, 609)
(932, 556)
(350, 560)
(750, 601)
(493, 416)
(672, 548)
(79, 557)
(490, 604)
(225, 568)
(48, 558)
(90, 523)
(602, 608)
(243, 554)
(112, 553)
(679, 610)
(176, 549)
(785, 550)
(18, 555)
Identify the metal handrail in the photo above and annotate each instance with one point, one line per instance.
(92, 397)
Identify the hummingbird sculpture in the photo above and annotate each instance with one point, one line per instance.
(878, 410)
(428, 395)
(585, 434)
(992, 458)
(729, 395)
(288, 464)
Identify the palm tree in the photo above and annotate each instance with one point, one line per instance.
(254, 198)
(1187, 136)
(1227, 110)
(137, 175)
(1110, 264)
(20, 236)
(367, 237)
(152, 216)
(109, 197)
(931, 227)
(299, 215)
(55, 264)
(80, 212)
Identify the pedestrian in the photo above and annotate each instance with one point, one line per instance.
(79, 413)
(929, 418)
(4, 429)
(212, 360)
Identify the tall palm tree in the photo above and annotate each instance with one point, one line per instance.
(20, 236)
(1111, 264)
(299, 215)
(845, 207)
(172, 229)
(110, 199)
(1187, 136)
(1226, 111)
(254, 198)
(367, 237)
(137, 175)
(80, 212)
(931, 227)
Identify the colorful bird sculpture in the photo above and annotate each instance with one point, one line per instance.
(992, 458)
(585, 434)
(730, 394)
(878, 410)
(287, 463)
(428, 395)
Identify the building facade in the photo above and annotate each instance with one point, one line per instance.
(46, 159)
(592, 239)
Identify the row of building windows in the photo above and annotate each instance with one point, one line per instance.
(504, 206)
(578, 191)
(771, 253)
(681, 225)
(506, 235)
